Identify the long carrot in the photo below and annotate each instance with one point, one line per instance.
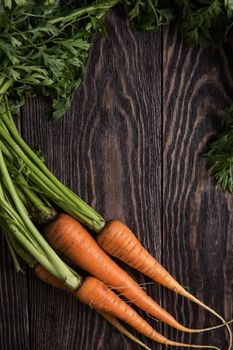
(99, 297)
(68, 236)
(119, 241)
(47, 277)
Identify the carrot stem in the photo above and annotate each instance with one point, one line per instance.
(23, 151)
(4, 85)
(5, 151)
(40, 211)
(26, 256)
(34, 237)
(18, 267)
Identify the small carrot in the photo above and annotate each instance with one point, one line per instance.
(69, 237)
(98, 296)
(119, 241)
(47, 277)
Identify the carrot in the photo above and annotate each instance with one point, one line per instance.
(119, 241)
(69, 237)
(98, 296)
(47, 277)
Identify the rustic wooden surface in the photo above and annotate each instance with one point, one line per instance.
(132, 146)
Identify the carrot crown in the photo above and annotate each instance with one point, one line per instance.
(23, 237)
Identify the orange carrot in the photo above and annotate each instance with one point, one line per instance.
(98, 296)
(119, 241)
(47, 277)
(68, 236)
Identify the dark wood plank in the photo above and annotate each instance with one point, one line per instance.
(107, 149)
(197, 218)
(14, 325)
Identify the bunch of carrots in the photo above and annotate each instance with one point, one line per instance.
(43, 222)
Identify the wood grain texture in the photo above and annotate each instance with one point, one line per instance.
(132, 147)
(14, 325)
(108, 150)
(197, 220)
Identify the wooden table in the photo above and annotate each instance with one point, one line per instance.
(132, 146)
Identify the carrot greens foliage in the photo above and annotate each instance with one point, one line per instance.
(149, 15)
(201, 22)
(44, 46)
